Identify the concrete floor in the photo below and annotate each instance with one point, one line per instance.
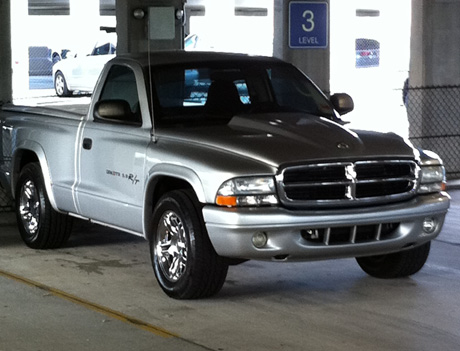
(99, 293)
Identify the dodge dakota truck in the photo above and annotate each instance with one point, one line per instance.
(220, 158)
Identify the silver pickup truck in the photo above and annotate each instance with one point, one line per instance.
(220, 158)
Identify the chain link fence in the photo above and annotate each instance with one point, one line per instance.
(6, 202)
(434, 123)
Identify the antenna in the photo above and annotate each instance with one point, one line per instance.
(154, 137)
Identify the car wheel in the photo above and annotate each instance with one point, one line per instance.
(60, 85)
(40, 226)
(183, 258)
(395, 265)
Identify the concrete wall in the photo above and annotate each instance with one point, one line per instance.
(5, 54)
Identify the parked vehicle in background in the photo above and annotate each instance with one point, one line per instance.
(79, 72)
(190, 42)
(367, 53)
(40, 61)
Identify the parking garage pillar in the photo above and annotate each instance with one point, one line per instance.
(5, 57)
(434, 80)
(153, 25)
(435, 36)
(301, 36)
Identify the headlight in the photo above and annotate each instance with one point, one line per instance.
(432, 179)
(248, 191)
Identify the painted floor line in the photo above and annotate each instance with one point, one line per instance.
(93, 306)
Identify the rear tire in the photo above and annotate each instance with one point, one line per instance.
(395, 265)
(183, 258)
(40, 226)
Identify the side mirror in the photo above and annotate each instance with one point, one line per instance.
(343, 103)
(114, 111)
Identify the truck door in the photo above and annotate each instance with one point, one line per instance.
(110, 180)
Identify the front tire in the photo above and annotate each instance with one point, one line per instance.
(183, 258)
(395, 265)
(60, 85)
(40, 226)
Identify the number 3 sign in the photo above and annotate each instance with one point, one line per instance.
(308, 24)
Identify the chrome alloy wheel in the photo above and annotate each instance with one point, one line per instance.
(29, 207)
(171, 246)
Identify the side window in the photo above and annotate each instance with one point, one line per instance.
(294, 92)
(121, 85)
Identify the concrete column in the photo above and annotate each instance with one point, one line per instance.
(433, 104)
(435, 49)
(5, 57)
(315, 62)
(19, 48)
(164, 30)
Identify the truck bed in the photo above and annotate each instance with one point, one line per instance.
(70, 111)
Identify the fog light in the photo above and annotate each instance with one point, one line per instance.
(259, 239)
(429, 225)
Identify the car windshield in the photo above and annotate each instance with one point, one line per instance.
(214, 93)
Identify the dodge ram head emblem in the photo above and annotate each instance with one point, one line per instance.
(351, 175)
(342, 145)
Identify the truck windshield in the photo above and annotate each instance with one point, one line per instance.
(215, 93)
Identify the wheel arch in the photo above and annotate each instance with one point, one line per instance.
(28, 153)
(63, 71)
(55, 73)
(166, 179)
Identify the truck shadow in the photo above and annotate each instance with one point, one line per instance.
(85, 233)
(309, 281)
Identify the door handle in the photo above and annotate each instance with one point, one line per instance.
(87, 143)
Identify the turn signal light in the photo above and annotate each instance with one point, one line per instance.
(229, 201)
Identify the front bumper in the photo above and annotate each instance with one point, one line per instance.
(231, 229)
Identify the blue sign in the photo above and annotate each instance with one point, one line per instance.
(308, 25)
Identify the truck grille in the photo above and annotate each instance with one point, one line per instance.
(347, 183)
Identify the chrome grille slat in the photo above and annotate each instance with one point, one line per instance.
(408, 179)
(378, 232)
(353, 234)
(313, 184)
(327, 236)
(347, 183)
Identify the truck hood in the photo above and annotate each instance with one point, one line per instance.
(292, 137)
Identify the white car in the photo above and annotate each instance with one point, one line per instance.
(80, 72)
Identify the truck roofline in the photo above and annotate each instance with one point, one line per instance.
(189, 57)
